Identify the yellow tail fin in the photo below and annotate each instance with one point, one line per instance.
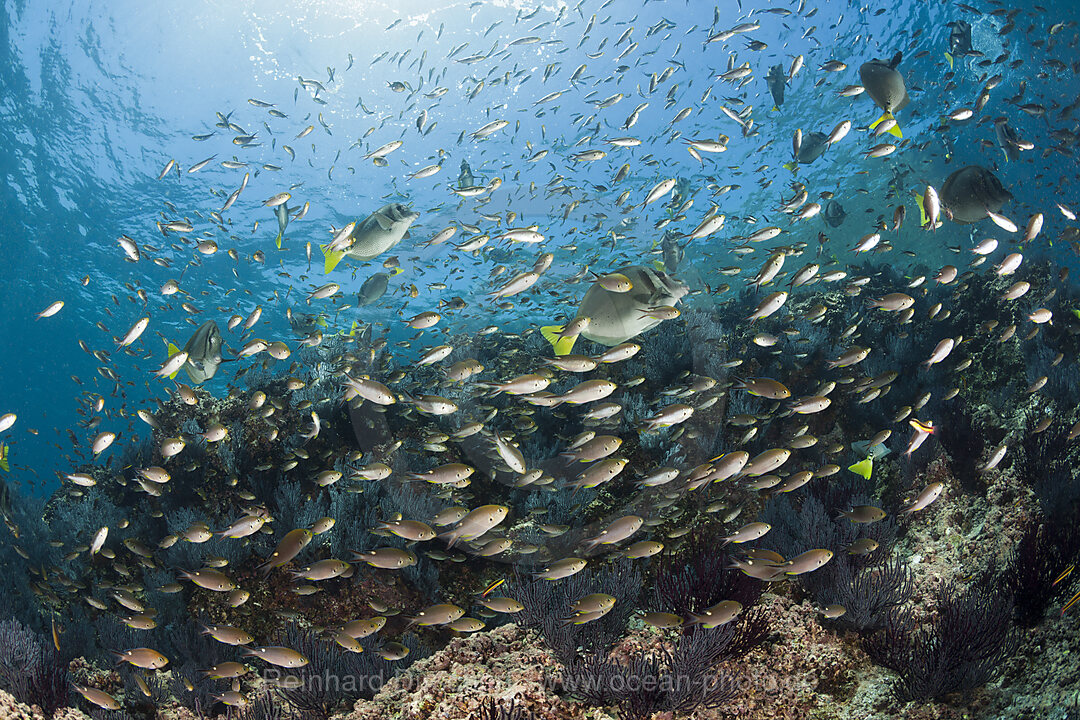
(922, 210)
(863, 468)
(660, 267)
(562, 346)
(330, 258)
(895, 129)
(948, 57)
(792, 166)
(277, 241)
(4, 465)
(172, 350)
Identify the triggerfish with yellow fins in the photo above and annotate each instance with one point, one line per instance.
(922, 209)
(865, 467)
(959, 40)
(813, 146)
(885, 86)
(375, 287)
(615, 317)
(972, 193)
(376, 234)
(203, 350)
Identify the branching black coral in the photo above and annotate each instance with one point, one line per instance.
(677, 680)
(493, 710)
(868, 586)
(547, 603)
(30, 669)
(959, 649)
(694, 581)
(1043, 552)
(868, 594)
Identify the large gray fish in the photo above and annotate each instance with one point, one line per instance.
(885, 86)
(834, 214)
(374, 287)
(615, 317)
(303, 324)
(777, 81)
(673, 252)
(379, 231)
(813, 146)
(204, 352)
(972, 190)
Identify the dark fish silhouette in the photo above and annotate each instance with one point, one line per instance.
(972, 190)
(812, 147)
(834, 214)
(1007, 139)
(777, 81)
(959, 40)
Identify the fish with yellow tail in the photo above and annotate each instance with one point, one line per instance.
(376, 234)
(202, 354)
(615, 317)
(885, 86)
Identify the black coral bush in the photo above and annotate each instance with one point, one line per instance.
(958, 650)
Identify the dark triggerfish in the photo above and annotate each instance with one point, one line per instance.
(959, 40)
(885, 86)
(777, 81)
(812, 146)
(972, 190)
(834, 214)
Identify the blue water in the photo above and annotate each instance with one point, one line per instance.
(98, 97)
